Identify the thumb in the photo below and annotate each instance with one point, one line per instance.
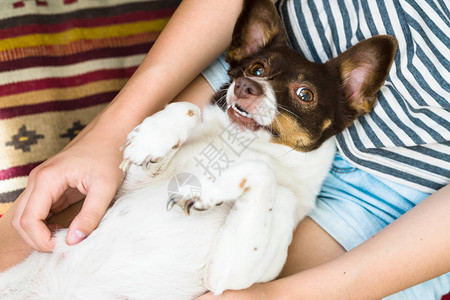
(94, 208)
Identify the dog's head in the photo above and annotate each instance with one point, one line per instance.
(300, 102)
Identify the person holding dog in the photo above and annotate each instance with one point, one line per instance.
(392, 165)
(342, 261)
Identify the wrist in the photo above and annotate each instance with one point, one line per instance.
(127, 110)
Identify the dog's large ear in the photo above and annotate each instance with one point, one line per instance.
(363, 69)
(258, 26)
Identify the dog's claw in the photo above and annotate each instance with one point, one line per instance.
(172, 201)
(187, 207)
(149, 161)
(156, 160)
(125, 165)
(185, 204)
(126, 144)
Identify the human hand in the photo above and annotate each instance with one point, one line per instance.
(87, 168)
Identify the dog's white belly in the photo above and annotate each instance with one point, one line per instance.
(140, 251)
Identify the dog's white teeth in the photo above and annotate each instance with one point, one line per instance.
(237, 108)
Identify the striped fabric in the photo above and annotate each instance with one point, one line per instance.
(61, 61)
(407, 137)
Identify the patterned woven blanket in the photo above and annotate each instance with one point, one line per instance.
(61, 61)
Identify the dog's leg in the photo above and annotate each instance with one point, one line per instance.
(252, 244)
(153, 143)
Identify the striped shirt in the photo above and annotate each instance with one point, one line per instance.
(406, 138)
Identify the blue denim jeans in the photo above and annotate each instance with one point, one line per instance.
(353, 205)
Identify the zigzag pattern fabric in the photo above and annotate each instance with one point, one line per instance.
(61, 62)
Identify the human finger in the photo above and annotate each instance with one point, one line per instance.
(47, 189)
(69, 197)
(19, 206)
(97, 201)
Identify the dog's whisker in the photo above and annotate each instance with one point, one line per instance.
(287, 110)
(274, 75)
(286, 153)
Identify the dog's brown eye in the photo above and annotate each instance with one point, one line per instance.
(257, 70)
(305, 94)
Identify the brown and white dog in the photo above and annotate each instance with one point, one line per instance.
(235, 173)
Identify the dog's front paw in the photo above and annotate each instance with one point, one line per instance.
(160, 134)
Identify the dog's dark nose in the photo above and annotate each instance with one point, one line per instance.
(245, 88)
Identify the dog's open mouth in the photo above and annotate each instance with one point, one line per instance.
(242, 117)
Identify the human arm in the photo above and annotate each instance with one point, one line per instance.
(409, 251)
(197, 33)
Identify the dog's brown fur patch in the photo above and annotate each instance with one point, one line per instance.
(289, 132)
(327, 123)
(242, 184)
